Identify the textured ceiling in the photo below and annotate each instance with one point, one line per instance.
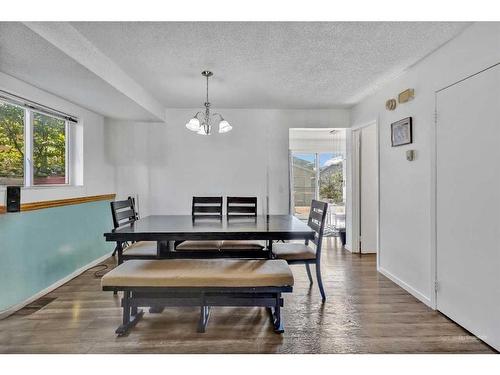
(30, 58)
(256, 65)
(266, 64)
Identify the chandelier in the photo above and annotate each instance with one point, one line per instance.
(202, 122)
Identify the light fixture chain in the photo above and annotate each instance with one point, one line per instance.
(207, 88)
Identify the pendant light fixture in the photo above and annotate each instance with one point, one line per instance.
(202, 121)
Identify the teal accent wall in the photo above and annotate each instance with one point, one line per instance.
(39, 248)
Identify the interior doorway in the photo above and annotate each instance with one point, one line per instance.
(317, 171)
(365, 198)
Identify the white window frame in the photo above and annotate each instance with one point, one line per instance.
(28, 178)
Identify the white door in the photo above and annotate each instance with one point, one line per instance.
(369, 189)
(468, 204)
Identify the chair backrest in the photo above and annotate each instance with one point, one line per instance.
(317, 219)
(241, 206)
(123, 212)
(206, 207)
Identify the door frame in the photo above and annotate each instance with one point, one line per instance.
(356, 188)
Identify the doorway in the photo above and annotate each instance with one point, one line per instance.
(317, 171)
(365, 198)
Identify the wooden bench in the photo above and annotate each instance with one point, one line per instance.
(199, 282)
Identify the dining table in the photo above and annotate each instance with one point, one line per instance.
(165, 229)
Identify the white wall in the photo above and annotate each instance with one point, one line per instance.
(98, 172)
(407, 195)
(166, 164)
(317, 140)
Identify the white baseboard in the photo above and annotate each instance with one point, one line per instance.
(406, 287)
(11, 310)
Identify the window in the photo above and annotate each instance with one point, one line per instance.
(304, 182)
(11, 144)
(49, 150)
(319, 175)
(33, 147)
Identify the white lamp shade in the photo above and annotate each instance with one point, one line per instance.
(224, 126)
(193, 124)
(202, 131)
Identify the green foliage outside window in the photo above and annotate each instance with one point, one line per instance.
(49, 147)
(49, 154)
(331, 186)
(11, 144)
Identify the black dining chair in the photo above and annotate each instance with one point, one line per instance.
(203, 208)
(124, 214)
(237, 208)
(302, 253)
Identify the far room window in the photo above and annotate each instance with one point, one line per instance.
(49, 150)
(11, 144)
(33, 146)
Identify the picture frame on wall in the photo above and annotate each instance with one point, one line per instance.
(401, 132)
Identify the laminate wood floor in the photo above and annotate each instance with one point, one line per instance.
(365, 313)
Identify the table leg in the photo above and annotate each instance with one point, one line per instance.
(163, 248)
(119, 252)
(270, 249)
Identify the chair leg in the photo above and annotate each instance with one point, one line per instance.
(308, 269)
(320, 282)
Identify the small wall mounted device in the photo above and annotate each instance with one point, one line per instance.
(406, 96)
(410, 155)
(13, 198)
(391, 104)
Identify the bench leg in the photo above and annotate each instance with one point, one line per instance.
(275, 313)
(204, 316)
(129, 321)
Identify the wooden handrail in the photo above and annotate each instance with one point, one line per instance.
(61, 202)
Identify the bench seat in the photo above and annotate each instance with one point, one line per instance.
(141, 248)
(200, 273)
(199, 282)
(291, 251)
(242, 245)
(199, 246)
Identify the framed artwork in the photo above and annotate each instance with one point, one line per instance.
(401, 132)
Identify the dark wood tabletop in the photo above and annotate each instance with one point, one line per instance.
(184, 227)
